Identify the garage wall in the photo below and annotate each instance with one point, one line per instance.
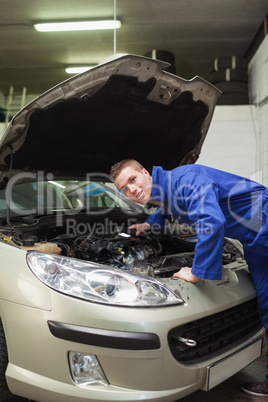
(258, 73)
(237, 140)
(230, 144)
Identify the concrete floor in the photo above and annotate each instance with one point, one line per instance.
(228, 390)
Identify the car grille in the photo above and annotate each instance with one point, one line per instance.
(215, 333)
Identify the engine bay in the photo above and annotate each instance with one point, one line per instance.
(150, 254)
(146, 254)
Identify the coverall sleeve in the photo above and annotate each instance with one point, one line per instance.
(200, 197)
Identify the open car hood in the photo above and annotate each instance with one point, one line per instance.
(127, 108)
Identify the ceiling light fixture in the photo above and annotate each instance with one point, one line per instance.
(77, 26)
(77, 70)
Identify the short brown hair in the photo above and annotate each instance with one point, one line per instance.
(119, 166)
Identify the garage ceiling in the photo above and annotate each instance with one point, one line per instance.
(195, 31)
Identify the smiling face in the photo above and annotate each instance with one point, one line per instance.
(135, 184)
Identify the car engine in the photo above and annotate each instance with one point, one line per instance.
(146, 254)
(154, 255)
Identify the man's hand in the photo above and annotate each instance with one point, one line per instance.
(185, 273)
(140, 227)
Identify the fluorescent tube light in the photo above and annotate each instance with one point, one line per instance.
(77, 26)
(77, 70)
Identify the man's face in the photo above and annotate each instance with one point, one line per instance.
(135, 184)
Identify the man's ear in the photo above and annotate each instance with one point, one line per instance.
(145, 172)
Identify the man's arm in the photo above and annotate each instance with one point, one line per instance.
(199, 195)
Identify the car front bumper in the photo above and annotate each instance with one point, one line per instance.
(131, 345)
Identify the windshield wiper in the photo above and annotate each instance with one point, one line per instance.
(29, 219)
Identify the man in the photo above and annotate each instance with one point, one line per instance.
(218, 204)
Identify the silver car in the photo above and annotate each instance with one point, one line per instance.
(89, 311)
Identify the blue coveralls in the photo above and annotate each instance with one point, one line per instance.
(218, 204)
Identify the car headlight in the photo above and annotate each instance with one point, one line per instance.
(97, 283)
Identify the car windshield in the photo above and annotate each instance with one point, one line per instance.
(48, 196)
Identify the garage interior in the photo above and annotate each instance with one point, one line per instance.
(224, 42)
